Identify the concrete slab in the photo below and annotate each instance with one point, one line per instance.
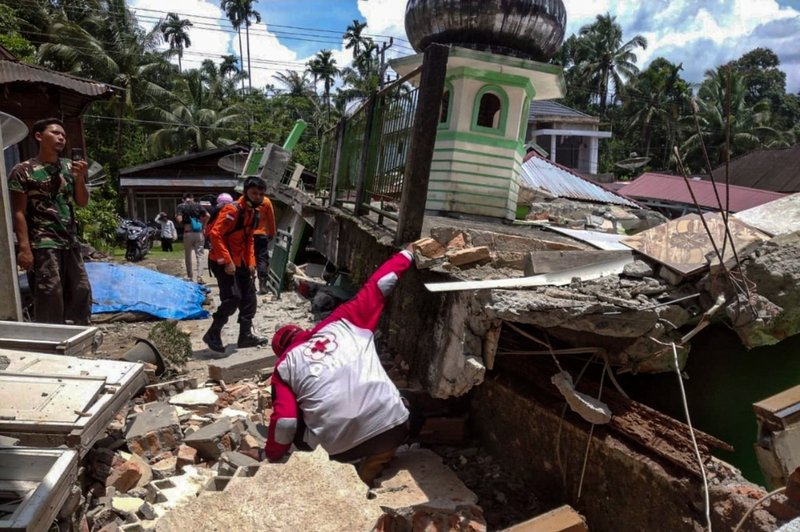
(314, 494)
(242, 364)
(537, 262)
(418, 477)
(154, 430)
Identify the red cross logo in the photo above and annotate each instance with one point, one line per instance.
(320, 346)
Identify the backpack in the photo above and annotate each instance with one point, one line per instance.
(197, 225)
(239, 226)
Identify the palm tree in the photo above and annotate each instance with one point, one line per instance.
(175, 31)
(657, 97)
(727, 125)
(602, 59)
(323, 67)
(241, 12)
(296, 83)
(191, 118)
(353, 36)
(233, 11)
(228, 68)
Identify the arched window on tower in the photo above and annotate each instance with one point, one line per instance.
(489, 111)
(444, 109)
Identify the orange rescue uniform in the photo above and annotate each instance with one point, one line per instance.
(266, 219)
(234, 247)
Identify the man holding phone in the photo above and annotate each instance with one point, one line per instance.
(44, 190)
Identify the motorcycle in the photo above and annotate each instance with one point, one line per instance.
(139, 238)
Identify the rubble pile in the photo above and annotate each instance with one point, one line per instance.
(174, 441)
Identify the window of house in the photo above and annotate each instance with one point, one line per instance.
(489, 111)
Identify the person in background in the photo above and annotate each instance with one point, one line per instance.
(43, 190)
(193, 216)
(168, 231)
(329, 387)
(233, 263)
(263, 234)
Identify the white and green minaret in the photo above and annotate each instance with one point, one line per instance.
(492, 78)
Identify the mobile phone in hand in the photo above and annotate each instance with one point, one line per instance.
(77, 154)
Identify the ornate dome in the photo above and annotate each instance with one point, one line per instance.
(532, 29)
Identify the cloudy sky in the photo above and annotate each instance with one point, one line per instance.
(698, 33)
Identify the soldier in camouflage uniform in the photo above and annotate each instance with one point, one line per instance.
(43, 190)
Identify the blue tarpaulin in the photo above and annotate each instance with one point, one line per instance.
(122, 288)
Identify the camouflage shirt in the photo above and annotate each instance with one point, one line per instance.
(50, 190)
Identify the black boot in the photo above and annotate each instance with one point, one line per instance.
(212, 337)
(247, 338)
(262, 287)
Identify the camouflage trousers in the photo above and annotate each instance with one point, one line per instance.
(61, 290)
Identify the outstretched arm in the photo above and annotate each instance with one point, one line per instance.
(365, 309)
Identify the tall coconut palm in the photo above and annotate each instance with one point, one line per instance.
(228, 68)
(175, 31)
(603, 59)
(657, 99)
(354, 36)
(233, 11)
(323, 68)
(241, 12)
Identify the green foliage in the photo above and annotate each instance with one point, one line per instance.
(98, 220)
(11, 39)
(173, 344)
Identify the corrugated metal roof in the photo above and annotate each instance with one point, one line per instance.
(673, 188)
(14, 71)
(773, 169)
(542, 174)
(172, 182)
(233, 148)
(542, 108)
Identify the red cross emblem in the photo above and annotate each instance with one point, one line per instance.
(320, 346)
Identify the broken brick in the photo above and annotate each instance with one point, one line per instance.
(457, 242)
(125, 476)
(165, 390)
(154, 430)
(468, 256)
(165, 468)
(213, 440)
(186, 456)
(444, 430)
(429, 248)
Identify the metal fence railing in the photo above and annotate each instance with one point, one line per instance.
(363, 158)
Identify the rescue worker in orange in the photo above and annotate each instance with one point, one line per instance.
(233, 263)
(261, 237)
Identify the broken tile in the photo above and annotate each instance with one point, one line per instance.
(164, 390)
(126, 504)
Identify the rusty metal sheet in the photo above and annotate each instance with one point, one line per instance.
(11, 71)
(683, 244)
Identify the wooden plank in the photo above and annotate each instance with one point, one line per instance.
(563, 519)
(564, 277)
(781, 408)
(538, 262)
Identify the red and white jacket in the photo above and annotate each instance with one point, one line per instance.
(333, 375)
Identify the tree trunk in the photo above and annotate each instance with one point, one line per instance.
(249, 68)
(241, 57)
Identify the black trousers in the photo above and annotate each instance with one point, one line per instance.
(236, 291)
(261, 244)
(166, 244)
(61, 290)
